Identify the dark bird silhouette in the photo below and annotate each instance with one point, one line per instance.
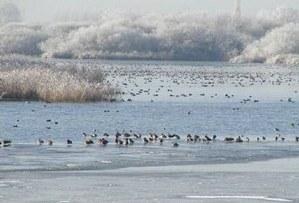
(208, 138)
(50, 142)
(239, 140)
(229, 139)
(103, 141)
(131, 141)
(89, 142)
(69, 142)
(40, 141)
(145, 140)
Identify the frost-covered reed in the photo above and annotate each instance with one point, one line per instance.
(55, 84)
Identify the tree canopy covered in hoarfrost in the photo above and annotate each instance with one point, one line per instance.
(270, 37)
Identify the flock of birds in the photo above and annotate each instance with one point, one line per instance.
(137, 81)
(155, 82)
(127, 139)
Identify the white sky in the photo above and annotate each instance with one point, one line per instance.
(46, 10)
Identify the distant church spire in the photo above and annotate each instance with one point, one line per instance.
(237, 11)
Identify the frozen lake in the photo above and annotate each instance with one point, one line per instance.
(167, 97)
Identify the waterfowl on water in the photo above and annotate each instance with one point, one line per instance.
(50, 142)
(103, 141)
(208, 138)
(239, 140)
(40, 141)
(5, 143)
(89, 142)
(131, 141)
(229, 139)
(145, 140)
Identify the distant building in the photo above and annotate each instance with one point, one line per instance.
(237, 11)
(9, 12)
(236, 17)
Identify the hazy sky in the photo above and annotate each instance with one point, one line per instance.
(39, 10)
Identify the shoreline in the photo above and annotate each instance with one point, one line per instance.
(273, 165)
(255, 182)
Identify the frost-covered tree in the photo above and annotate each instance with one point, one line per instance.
(9, 12)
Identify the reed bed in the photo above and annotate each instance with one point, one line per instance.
(64, 84)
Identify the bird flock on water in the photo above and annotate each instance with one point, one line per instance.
(130, 138)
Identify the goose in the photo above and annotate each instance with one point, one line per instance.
(145, 140)
(137, 136)
(127, 135)
(208, 138)
(50, 142)
(176, 145)
(171, 136)
(197, 138)
(164, 136)
(239, 140)
(5, 143)
(69, 142)
(94, 135)
(151, 139)
(120, 142)
(103, 141)
(89, 142)
(229, 139)
(118, 134)
(177, 137)
(131, 141)
(40, 141)
(127, 141)
(189, 138)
